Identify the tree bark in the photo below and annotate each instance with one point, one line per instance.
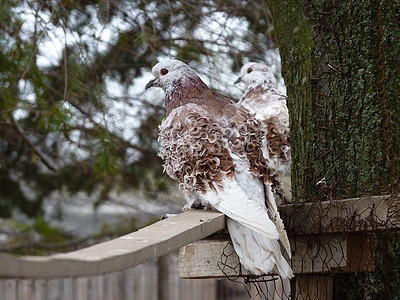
(340, 62)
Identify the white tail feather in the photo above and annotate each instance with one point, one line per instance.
(233, 202)
(258, 254)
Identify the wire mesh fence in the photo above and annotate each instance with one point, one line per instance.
(341, 249)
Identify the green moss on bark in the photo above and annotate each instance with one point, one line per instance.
(296, 43)
(340, 61)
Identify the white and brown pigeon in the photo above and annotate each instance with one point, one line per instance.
(269, 106)
(212, 147)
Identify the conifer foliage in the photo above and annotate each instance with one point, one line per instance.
(73, 115)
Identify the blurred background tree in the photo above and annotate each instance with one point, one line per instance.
(73, 115)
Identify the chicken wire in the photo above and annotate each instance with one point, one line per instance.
(343, 249)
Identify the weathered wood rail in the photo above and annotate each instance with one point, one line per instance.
(126, 251)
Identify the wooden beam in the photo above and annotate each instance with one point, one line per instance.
(316, 254)
(360, 253)
(350, 215)
(318, 287)
(129, 250)
(333, 253)
(208, 259)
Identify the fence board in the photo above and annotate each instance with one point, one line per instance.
(24, 289)
(80, 288)
(314, 287)
(39, 288)
(96, 288)
(2, 289)
(113, 286)
(54, 289)
(173, 274)
(67, 288)
(11, 290)
(129, 283)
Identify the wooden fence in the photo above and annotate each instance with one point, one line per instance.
(326, 238)
(136, 283)
(122, 269)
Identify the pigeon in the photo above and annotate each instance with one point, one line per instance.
(269, 106)
(212, 147)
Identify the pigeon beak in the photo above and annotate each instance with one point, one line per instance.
(150, 83)
(238, 80)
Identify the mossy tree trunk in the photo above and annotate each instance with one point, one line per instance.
(340, 62)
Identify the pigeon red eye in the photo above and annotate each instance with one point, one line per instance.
(164, 72)
(249, 70)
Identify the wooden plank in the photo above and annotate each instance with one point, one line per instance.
(314, 287)
(311, 255)
(112, 288)
(68, 288)
(96, 288)
(2, 289)
(39, 289)
(163, 286)
(54, 289)
(81, 288)
(360, 252)
(129, 284)
(152, 277)
(132, 249)
(349, 215)
(24, 289)
(11, 290)
(281, 289)
(147, 282)
(319, 253)
(174, 280)
(141, 292)
(210, 289)
(207, 259)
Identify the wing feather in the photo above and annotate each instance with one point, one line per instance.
(233, 202)
(276, 219)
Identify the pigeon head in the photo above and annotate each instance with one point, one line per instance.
(256, 73)
(168, 73)
(180, 83)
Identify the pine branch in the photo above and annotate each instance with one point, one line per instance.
(36, 150)
(113, 137)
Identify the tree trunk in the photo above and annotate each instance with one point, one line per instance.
(340, 62)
